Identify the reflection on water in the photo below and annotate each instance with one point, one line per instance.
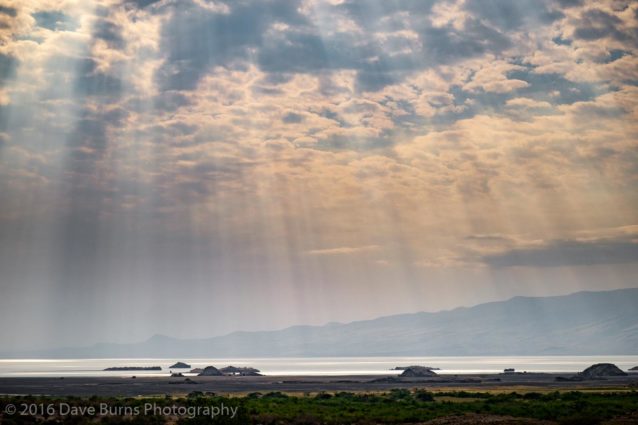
(313, 366)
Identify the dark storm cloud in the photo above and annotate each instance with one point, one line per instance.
(566, 253)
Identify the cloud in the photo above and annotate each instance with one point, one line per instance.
(283, 37)
(8, 66)
(524, 102)
(510, 15)
(596, 24)
(9, 11)
(421, 115)
(54, 20)
(568, 253)
(197, 38)
(492, 77)
(292, 118)
(344, 250)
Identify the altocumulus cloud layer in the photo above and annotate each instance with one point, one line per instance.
(192, 167)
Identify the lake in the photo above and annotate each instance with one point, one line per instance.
(314, 366)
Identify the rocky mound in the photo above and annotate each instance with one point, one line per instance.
(634, 368)
(418, 372)
(241, 371)
(600, 370)
(210, 371)
(180, 365)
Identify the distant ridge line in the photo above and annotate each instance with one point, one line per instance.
(581, 323)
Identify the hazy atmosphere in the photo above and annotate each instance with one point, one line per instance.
(193, 167)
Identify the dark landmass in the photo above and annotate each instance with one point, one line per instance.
(227, 371)
(585, 323)
(417, 372)
(127, 368)
(601, 370)
(634, 368)
(180, 365)
(210, 371)
(149, 385)
(395, 406)
(594, 372)
(240, 371)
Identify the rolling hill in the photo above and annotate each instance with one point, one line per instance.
(584, 323)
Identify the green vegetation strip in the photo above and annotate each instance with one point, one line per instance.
(394, 407)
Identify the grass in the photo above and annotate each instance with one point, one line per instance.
(393, 407)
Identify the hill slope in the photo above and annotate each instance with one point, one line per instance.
(578, 324)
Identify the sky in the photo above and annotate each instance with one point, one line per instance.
(195, 167)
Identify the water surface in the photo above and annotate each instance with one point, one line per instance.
(313, 366)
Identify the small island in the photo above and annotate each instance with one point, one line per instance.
(228, 371)
(240, 371)
(180, 365)
(131, 368)
(210, 371)
(594, 372)
(418, 372)
(600, 370)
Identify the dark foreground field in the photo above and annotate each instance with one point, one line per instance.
(399, 406)
(443, 400)
(153, 386)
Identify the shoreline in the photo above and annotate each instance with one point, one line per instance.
(161, 386)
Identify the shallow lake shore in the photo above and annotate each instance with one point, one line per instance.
(148, 386)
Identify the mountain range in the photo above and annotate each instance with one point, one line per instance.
(584, 323)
